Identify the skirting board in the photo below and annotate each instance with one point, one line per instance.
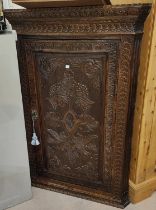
(139, 192)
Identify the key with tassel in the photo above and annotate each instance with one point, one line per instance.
(35, 140)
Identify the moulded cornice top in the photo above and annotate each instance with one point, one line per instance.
(59, 3)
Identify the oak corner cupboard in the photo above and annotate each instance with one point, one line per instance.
(78, 69)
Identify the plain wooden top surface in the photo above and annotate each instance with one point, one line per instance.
(58, 3)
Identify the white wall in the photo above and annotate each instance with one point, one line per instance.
(9, 5)
(15, 186)
(6, 4)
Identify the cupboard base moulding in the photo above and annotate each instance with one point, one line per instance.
(81, 192)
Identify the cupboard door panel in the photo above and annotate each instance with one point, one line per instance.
(73, 90)
(71, 104)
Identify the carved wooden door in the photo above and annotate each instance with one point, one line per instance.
(73, 86)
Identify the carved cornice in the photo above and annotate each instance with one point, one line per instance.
(71, 12)
(60, 3)
(79, 20)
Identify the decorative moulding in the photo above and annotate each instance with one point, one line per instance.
(101, 20)
(58, 3)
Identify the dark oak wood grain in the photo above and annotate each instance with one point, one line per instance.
(59, 3)
(78, 69)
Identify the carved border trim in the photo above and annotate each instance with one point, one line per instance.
(66, 28)
(124, 86)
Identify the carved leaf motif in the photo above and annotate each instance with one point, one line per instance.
(69, 90)
(92, 69)
(82, 97)
(72, 134)
(55, 135)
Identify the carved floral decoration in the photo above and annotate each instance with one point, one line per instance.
(71, 129)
